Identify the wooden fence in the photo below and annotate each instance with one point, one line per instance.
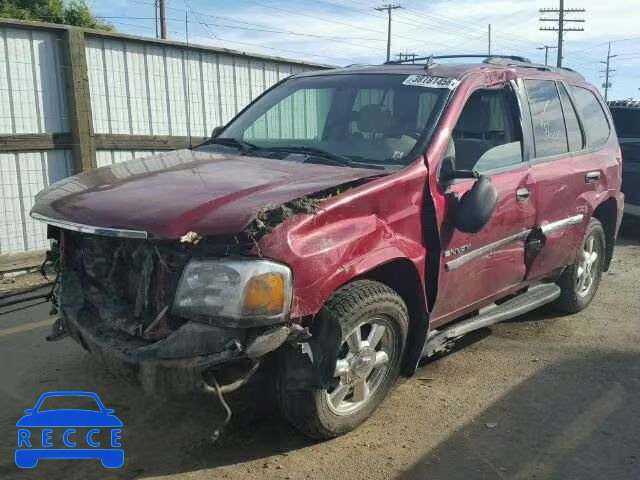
(73, 99)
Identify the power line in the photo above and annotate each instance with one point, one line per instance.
(388, 7)
(560, 26)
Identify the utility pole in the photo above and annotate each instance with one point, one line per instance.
(155, 15)
(489, 38)
(388, 7)
(406, 56)
(163, 19)
(606, 85)
(546, 52)
(560, 26)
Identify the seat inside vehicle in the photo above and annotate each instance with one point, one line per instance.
(486, 135)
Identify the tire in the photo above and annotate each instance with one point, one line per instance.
(363, 306)
(575, 295)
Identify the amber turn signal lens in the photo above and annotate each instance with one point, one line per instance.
(264, 295)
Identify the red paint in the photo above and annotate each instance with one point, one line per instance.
(171, 194)
(365, 227)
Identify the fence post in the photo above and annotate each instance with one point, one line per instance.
(79, 99)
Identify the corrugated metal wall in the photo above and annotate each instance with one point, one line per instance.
(32, 100)
(142, 89)
(136, 88)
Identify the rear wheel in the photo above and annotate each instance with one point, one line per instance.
(579, 282)
(370, 342)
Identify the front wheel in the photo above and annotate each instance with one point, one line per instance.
(370, 343)
(579, 282)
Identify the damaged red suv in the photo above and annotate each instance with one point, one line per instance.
(345, 224)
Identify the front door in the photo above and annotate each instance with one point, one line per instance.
(476, 268)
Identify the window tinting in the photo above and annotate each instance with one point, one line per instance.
(549, 132)
(593, 117)
(574, 133)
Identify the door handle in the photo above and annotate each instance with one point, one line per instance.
(522, 194)
(592, 177)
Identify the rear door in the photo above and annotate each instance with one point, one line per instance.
(476, 268)
(569, 168)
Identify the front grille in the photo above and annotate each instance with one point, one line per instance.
(124, 283)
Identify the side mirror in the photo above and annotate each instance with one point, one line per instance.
(216, 131)
(448, 170)
(476, 206)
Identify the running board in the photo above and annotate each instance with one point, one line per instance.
(534, 297)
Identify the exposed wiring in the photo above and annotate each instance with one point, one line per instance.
(218, 431)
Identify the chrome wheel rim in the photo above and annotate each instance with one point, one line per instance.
(587, 267)
(363, 363)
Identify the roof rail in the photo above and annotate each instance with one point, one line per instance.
(503, 61)
(471, 55)
(498, 60)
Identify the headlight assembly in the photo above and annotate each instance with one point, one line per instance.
(250, 292)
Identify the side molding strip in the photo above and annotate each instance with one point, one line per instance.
(560, 224)
(480, 252)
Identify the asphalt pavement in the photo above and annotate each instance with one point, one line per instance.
(540, 397)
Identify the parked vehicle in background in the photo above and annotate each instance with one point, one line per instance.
(345, 224)
(626, 117)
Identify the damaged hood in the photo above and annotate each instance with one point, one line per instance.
(170, 194)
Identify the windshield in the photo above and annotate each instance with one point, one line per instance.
(359, 118)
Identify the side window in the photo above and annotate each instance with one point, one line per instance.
(593, 118)
(487, 135)
(574, 132)
(549, 133)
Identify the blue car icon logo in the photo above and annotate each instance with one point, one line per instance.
(66, 433)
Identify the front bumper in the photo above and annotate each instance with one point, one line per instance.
(145, 364)
(131, 360)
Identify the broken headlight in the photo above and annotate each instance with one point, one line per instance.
(234, 289)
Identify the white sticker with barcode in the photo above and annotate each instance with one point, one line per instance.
(431, 82)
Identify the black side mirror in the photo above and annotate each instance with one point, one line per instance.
(216, 131)
(476, 206)
(449, 172)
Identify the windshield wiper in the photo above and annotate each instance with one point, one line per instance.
(315, 152)
(245, 147)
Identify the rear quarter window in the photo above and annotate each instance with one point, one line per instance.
(594, 120)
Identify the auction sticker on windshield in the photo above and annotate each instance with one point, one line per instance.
(431, 82)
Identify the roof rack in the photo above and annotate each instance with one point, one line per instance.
(499, 60)
(471, 55)
(503, 61)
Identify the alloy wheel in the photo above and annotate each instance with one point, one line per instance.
(587, 266)
(363, 362)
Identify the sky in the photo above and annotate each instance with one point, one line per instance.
(341, 32)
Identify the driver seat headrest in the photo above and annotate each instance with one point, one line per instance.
(372, 118)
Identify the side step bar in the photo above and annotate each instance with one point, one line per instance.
(534, 297)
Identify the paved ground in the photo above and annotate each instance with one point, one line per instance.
(542, 397)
